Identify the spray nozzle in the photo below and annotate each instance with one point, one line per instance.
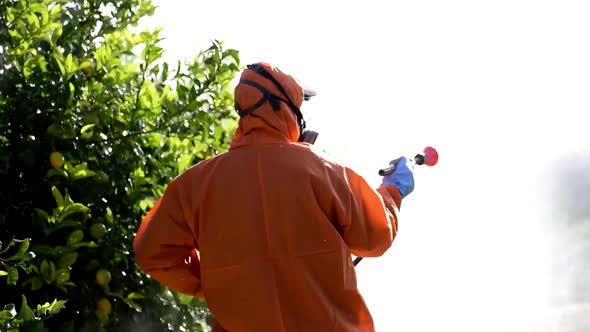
(428, 157)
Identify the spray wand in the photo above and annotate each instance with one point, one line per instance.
(428, 157)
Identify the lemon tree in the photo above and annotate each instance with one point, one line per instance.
(93, 125)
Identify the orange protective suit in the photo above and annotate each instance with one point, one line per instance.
(265, 231)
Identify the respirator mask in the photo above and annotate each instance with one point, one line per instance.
(308, 136)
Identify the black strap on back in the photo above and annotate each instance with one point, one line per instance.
(266, 95)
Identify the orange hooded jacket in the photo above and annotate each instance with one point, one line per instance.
(265, 231)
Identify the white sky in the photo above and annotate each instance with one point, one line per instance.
(498, 87)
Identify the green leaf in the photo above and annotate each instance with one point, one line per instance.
(25, 313)
(68, 200)
(75, 237)
(90, 244)
(164, 94)
(10, 244)
(43, 214)
(35, 282)
(12, 275)
(48, 271)
(57, 32)
(43, 249)
(55, 11)
(24, 246)
(56, 306)
(37, 8)
(45, 267)
(44, 16)
(3, 273)
(146, 204)
(81, 171)
(72, 90)
(33, 21)
(29, 256)
(67, 260)
(53, 172)
(85, 173)
(62, 275)
(155, 54)
(64, 224)
(232, 53)
(50, 27)
(15, 34)
(164, 75)
(184, 298)
(51, 272)
(24, 267)
(53, 308)
(71, 209)
(43, 309)
(58, 60)
(28, 67)
(134, 295)
(69, 64)
(184, 162)
(87, 128)
(59, 199)
(109, 215)
(218, 132)
(138, 173)
(5, 315)
(42, 63)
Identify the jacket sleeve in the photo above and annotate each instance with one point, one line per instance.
(367, 218)
(165, 247)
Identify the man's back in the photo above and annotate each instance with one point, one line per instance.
(271, 253)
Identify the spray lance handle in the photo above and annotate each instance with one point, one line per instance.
(429, 157)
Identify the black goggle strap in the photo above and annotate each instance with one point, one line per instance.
(274, 101)
(257, 68)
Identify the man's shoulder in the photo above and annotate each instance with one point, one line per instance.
(202, 165)
(317, 153)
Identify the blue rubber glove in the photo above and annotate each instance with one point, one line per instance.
(402, 177)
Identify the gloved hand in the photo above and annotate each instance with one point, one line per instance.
(402, 177)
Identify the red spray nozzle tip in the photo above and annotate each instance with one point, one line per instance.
(430, 156)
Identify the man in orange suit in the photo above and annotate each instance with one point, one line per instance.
(265, 231)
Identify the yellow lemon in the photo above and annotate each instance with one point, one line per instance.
(105, 306)
(103, 277)
(87, 67)
(56, 159)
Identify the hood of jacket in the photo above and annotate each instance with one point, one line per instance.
(265, 125)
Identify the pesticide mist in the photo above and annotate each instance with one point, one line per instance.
(569, 225)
